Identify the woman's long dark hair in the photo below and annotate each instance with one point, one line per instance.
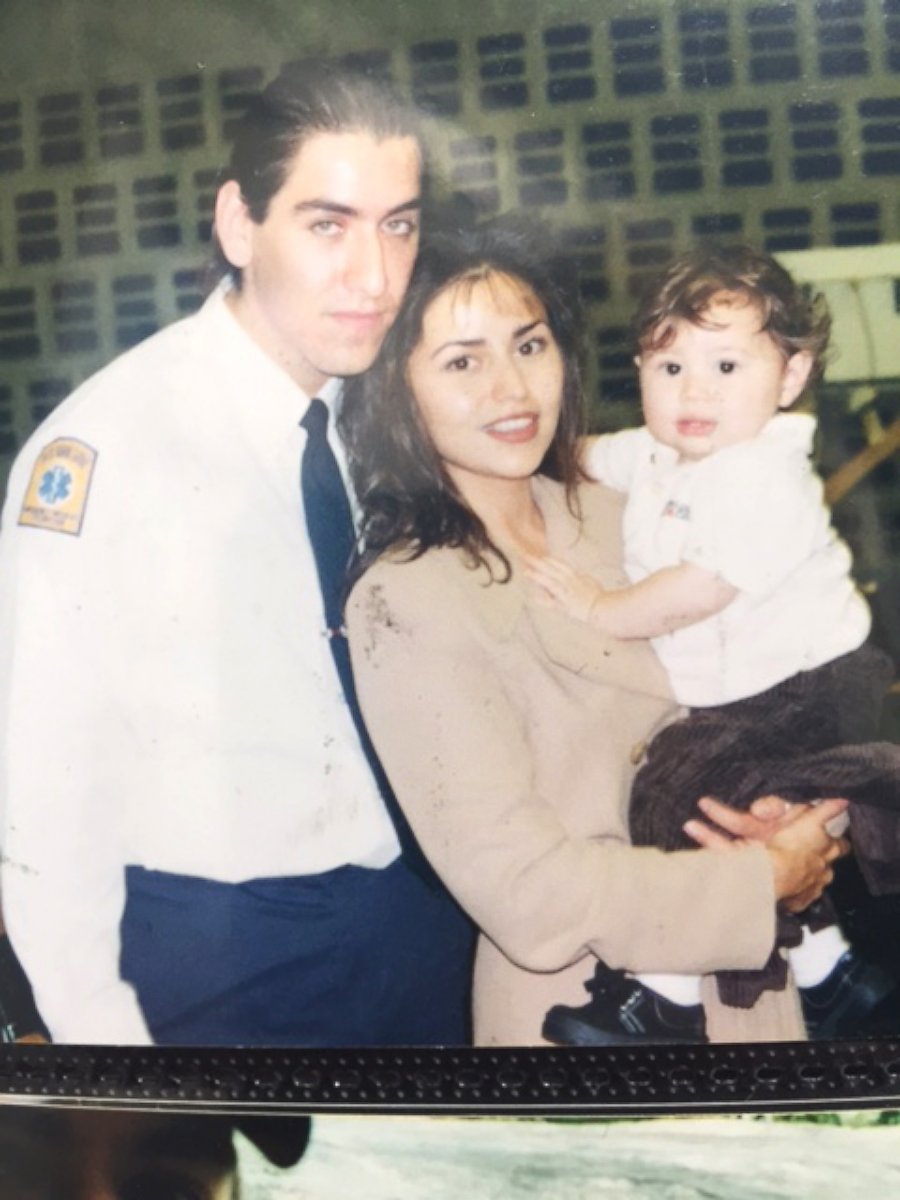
(409, 502)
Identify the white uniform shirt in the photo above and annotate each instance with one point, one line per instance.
(167, 693)
(752, 514)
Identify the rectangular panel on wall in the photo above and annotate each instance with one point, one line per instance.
(37, 227)
(96, 219)
(774, 47)
(636, 46)
(236, 89)
(435, 77)
(586, 245)
(841, 36)
(648, 247)
(12, 145)
(607, 159)
(156, 212)
(786, 229)
(135, 309)
(501, 69)
(9, 443)
(569, 62)
(617, 391)
(705, 45)
(745, 147)
(815, 141)
(205, 185)
(180, 111)
(74, 313)
(880, 135)
(60, 129)
(676, 151)
(891, 31)
(19, 337)
(473, 173)
(540, 165)
(855, 224)
(718, 226)
(120, 121)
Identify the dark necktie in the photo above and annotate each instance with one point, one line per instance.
(330, 525)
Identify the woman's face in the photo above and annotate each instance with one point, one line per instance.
(487, 376)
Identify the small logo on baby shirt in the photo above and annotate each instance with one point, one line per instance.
(678, 510)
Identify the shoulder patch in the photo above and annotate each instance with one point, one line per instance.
(57, 492)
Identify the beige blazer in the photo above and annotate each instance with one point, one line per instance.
(511, 733)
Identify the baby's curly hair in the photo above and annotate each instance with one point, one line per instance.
(793, 319)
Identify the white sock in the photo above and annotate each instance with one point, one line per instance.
(817, 955)
(680, 989)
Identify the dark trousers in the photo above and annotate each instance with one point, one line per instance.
(351, 957)
(811, 736)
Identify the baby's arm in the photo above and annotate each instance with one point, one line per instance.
(666, 600)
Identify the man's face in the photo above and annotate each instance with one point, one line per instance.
(324, 272)
(50, 1154)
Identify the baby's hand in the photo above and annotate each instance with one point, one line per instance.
(569, 590)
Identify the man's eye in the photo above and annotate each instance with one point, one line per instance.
(326, 228)
(403, 226)
(727, 366)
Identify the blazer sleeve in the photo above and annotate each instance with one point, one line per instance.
(456, 747)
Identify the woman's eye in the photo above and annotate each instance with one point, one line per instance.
(727, 366)
(458, 364)
(534, 345)
(671, 368)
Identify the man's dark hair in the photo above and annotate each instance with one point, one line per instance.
(409, 502)
(307, 98)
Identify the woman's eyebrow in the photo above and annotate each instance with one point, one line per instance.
(466, 343)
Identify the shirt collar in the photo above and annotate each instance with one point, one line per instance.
(251, 372)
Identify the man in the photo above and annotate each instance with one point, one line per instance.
(196, 849)
(50, 1153)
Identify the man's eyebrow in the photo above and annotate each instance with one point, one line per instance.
(347, 210)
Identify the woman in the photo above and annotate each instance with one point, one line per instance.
(509, 732)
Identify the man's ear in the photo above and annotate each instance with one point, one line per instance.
(234, 225)
(796, 375)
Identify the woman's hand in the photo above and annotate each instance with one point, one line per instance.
(766, 817)
(801, 855)
(798, 838)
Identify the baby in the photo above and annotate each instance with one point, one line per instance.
(746, 590)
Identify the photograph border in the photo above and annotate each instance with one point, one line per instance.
(654, 1079)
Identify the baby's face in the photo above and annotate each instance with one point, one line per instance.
(714, 385)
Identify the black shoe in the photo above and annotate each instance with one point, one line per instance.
(842, 1003)
(623, 1012)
